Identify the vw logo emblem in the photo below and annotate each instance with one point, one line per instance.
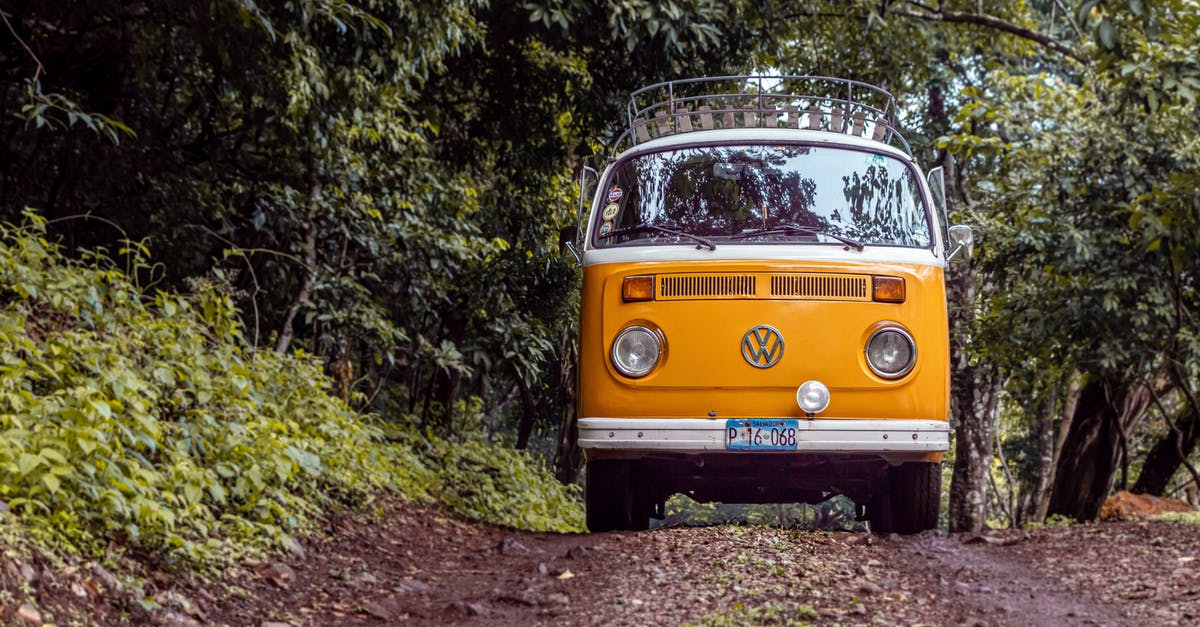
(762, 346)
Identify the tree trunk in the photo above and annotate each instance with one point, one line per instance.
(528, 408)
(1093, 449)
(568, 458)
(1044, 470)
(447, 381)
(1042, 498)
(973, 394)
(973, 403)
(1168, 454)
(310, 276)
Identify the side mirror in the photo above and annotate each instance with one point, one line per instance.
(567, 237)
(963, 241)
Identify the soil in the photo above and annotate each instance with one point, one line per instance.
(420, 566)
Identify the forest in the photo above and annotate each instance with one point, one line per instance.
(364, 197)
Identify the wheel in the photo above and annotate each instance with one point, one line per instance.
(612, 500)
(910, 501)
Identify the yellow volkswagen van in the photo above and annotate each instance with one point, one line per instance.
(763, 311)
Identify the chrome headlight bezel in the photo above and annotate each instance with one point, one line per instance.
(912, 361)
(624, 368)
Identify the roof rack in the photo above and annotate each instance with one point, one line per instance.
(819, 103)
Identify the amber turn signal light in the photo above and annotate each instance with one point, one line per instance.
(886, 289)
(636, 288)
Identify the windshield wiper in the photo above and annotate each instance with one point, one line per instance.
(663, 230)
(793, 229)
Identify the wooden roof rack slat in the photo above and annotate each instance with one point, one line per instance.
(835, 105)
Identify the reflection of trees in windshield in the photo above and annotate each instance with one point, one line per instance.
(876, 201)
(722, 191)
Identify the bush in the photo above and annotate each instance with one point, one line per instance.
(147, 418)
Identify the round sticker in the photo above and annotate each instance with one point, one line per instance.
(605, 229)
(614, 194)
(610, 211)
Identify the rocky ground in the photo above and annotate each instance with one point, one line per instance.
(418, 566)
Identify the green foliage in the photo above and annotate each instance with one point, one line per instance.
(835, 514)
(741, 614)
(500, 485)
(146, 418)
(1184, 518)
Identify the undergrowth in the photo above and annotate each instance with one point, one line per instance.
(1187, 518)
(146, 419)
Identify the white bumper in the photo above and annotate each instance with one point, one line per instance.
(814, 436)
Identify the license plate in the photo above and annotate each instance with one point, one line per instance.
(761, 434)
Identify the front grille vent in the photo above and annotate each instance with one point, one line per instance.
(706, 286)
(821, 286)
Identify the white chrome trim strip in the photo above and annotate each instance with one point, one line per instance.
(815, 436)
(761, 135)
(766, 253)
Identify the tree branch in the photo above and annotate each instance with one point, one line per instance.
(927, 13)
(940, 14)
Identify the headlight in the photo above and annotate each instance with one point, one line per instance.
(891, 353)
(636, 351)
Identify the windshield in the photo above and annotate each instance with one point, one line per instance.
(755, 194)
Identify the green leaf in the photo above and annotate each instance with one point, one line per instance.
(1106, 34)
(27, 462)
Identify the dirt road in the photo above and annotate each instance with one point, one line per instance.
(417, 567)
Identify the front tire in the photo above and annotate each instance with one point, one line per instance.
(909, 501)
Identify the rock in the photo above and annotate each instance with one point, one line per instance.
(175, 619)
(412, 585)
(579, 552)
(1128, 506)
(858, 608)
(510, 546)
(557, 598)
(78, 590)
(384, 609)
(541, 569)
(294, 548)
(106, 579)
(271, 623)
(367, 578)
(29, 615)
(528, 596)
(868, 587)
(278, 573)
(26, 571)
(470, 609)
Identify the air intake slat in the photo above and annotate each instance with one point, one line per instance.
(821, 286)
(699, 286)
(789, 286)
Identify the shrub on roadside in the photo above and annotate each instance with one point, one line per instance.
(149, 420)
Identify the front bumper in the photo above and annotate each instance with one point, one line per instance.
(888, 438)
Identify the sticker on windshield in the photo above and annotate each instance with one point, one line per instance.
(611, 211)
(614, 194)
(605, 229)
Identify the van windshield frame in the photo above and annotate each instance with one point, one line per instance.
(753, 193)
